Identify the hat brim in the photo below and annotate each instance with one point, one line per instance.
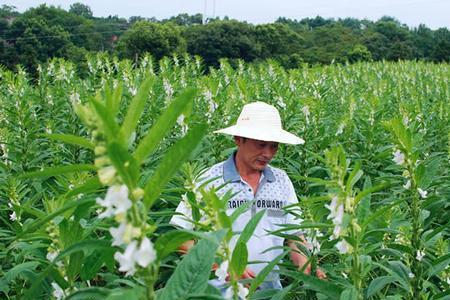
(266, 134)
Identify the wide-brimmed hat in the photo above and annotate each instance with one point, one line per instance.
(261, 121)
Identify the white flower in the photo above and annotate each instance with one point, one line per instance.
(407, 185)
(13, 216)
(222, 271)
(411, 275)
(58, 292)
(180, 120)
(127, 259)
(332, 207)
(337, 215)
(336, 211)
(51, 255)
(167, 88)
(399, 157)
(116, 201)
(336, 232)
(212, 106)
(420, 255)
(242, 292)
(422, 193)
(118, 234)
(343, 247)
(306, 112)
(281, 103)
(340, 129)
(146, 253)
(405, 120)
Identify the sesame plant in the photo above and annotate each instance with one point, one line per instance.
(92, 168)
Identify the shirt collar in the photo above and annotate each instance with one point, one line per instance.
(230, 172)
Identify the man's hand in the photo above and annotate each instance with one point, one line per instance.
(321, 274)
(300, 260)
(248, 274)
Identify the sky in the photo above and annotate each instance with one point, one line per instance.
(433, 13)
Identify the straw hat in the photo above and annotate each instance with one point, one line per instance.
(261, 121)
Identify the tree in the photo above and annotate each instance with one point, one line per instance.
(441, 51)
(359, 53)
(329, 43)
(423, 42)
(222, 39)
(277, 40)
(81, 9)
(157, 39)
(39, 42)
(185, 19)
(389, 40)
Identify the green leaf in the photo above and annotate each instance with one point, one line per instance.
(247, 233)
(378, 284)
(54, 171)
(135, 293)
(439, 264)
(399, 271)
(87, 245)
(113, 100)
(191, 275)
(204, 296)
(170, 241)
(327, 288)
(239, 259)
(31, 227)
(240, 210)
(264, 272)
(369, 190)
(94, 262)
(109, 124)
(349, 294)
(172, 160)
(71, 139)
(15, 272)
(282, 294)
(91, 293)
(380, 212)
(135, 109)
(363, 209)
(90, 185)
(162, 126)
(124, 163)
(354, 176)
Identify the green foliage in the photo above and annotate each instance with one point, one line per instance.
(353, 117)
(154, 38)
(191, 275)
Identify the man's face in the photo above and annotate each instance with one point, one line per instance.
(255, 154)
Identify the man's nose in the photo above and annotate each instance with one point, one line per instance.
(268, 152)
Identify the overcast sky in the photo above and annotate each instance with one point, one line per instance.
(433, 13)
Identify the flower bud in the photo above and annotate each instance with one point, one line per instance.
(100, 150)
(102, 161)
(107, 175)
(138, 193)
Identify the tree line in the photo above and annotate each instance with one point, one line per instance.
(45, 32)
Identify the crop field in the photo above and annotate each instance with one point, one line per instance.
(93, 164)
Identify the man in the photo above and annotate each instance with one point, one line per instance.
(257, 133)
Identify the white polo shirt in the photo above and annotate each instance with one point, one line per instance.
(275, 191)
